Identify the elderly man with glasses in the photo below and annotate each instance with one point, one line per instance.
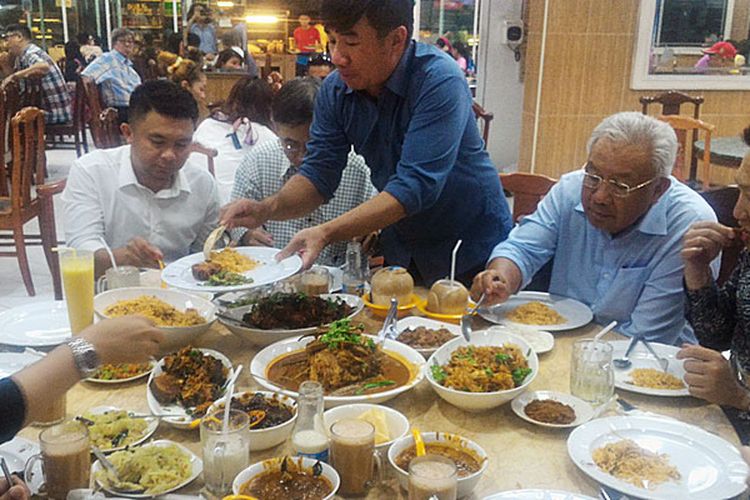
(268, 166)
(114, 73)
(614, 229)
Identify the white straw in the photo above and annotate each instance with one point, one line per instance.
(228, 400)
(109, 252)
(453, 260)
(604, 330)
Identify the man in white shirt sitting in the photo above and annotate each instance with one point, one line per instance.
(139, 198)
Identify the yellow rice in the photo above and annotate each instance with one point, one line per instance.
(655, 379)
(535, 313)
(157, 310)
(231, 260)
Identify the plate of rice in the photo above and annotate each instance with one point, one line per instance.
(539, 310)
(645, 376)
(181, 315)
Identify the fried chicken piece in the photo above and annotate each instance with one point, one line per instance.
(204, 270)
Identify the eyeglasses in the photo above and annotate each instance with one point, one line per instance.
(292, 147)
(618, 189)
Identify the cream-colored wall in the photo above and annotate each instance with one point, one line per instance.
(587, 66)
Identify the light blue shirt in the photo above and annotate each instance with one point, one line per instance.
(207, 34)
(114, 74)
(634, 278)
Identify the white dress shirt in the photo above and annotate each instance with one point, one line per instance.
(103, 198)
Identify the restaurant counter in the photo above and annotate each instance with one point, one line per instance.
(521, 454)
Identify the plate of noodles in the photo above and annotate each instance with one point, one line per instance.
(156, 468)
(230, 269)
(539, 310)
(112, 429)
(656, 458)
(645, 376)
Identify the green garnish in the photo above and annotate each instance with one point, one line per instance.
(374, 385)
(488, 372)
(342, 332)
(519, 375)
(226, 278)
(501, 357)
(438, 373)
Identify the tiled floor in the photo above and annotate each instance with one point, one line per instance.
(12, 291)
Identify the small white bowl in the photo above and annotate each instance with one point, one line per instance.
(177, 336)
(584, 411)
(257, 468)
(398, 424)
(263, 439)
(479, 401)
(465, 484)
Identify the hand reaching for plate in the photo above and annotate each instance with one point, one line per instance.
(501, 280)
(308, 243)
(243, 213)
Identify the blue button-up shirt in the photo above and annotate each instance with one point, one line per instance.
(114, 74)
(634, 278)
(422, 144)
(207, 34)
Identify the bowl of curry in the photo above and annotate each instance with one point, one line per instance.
(284, 478)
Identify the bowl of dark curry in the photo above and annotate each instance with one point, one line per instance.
(425, 335)
(271, 416)
(470, 459)
(552, 409)
(285, 478)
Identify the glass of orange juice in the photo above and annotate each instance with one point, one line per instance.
(77, 267)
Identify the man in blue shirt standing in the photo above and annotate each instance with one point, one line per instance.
(406, 108)
(615, 231)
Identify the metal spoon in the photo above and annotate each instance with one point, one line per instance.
(389, 325)
(467, 319)
(624, 362)
(663, 362)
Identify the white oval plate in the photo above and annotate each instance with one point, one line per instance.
(179, 274)
(710, 467)
(584, 411)
(261, 361)
(151, 425)
(12, 362)
(539, 340)
(38, 324)
(534, 494)
(576, 313)
(641, 358)
(411, 322)
(196, 462)
(122, 380)
(181, 420)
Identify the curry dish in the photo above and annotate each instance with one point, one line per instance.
(343, 360)
(466, 460)
(288, 479)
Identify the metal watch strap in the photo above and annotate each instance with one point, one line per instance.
(84, 355)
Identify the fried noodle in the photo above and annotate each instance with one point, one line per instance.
(155, 468)
(642, 468)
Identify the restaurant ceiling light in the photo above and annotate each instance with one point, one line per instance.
(225, 5)
(258, 19)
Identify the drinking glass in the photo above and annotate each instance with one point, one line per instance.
(65, 456)
(225, 454)
(122, 277)
(432, 476)
(77, 268)
(353, 455)
(315, 281)
(53, 412)
(592, 376)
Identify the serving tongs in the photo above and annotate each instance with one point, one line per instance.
(111, 469)
(389, 325)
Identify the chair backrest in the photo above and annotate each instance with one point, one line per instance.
(486, 117)
(671, 101)
(688, 131)
(527, 190)
(105, 130)
(27, 131)
(79, 106)
(32, 93)
(91, 93)
(723, 200)
(210, 153)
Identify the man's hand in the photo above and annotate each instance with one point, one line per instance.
(128, 339)
(140, 253)
(493, 285)
(308, 243)
(710, 377)
(18, 491)
(243, 213)
(257, 238)
(701, 245)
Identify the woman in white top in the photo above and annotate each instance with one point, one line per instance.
(242, 122)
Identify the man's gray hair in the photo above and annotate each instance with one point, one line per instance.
(120, 33)
(631, 127)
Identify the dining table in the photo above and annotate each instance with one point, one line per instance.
(725, 151)
(521, 454)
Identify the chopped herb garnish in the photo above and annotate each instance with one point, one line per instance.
(438, 373)
(501, 357)
(519, 375)
(374, 385)
(342, 332)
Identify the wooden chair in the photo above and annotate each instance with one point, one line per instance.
(210, 153)
(105, 130)
(671, 102)
(24, 204)
(486, 117)
(688, 131)
(76, 127)
(722, 200)
(92, 109)
(527, 190)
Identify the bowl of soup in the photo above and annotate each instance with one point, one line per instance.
(470, 459)
(310, 480)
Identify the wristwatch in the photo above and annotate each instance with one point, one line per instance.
(84, 355)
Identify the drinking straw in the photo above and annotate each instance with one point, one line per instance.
(228, 402)
(65, 249)
(453, 260)
(109, 252)
(604, 330)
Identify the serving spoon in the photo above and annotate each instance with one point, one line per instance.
(624, 362)
(467, 319)
(113, 470)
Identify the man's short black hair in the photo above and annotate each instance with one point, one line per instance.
(293, 105)
(383, 15)
(21, 29)
(164, 97)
